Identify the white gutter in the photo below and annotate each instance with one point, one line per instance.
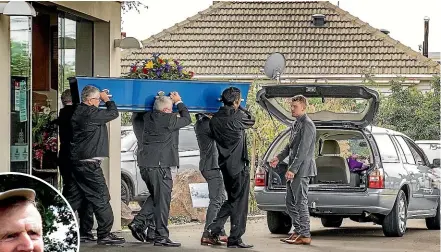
(308, 77)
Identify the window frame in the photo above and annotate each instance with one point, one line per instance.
(405, 161)
(399, 158)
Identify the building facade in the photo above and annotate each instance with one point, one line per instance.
(38, 52)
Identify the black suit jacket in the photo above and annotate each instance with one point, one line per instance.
(90, 138)
(65, 131)
(207, 146)
(228, 128)
(160, 138)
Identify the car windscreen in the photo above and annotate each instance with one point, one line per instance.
(328, 109)
(127, 141)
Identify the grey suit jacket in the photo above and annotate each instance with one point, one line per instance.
(301, 148)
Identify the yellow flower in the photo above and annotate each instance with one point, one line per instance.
(149, 65)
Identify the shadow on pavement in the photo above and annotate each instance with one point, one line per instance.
(353, 232)
(138, 246)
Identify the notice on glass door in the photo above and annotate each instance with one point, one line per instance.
(23, 103)
(19, 153)
(17, 95)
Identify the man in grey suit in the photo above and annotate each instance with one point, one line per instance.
(209, 167)
(301, 167)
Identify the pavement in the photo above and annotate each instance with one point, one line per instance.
(352, 236)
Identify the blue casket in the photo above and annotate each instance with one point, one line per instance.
(139, 94)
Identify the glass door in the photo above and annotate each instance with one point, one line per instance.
(21, 72)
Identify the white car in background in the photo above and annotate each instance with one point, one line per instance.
(432, 148)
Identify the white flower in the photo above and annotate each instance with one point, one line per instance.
(46, 110)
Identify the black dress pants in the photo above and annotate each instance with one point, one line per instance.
(157, 206)
(91, 188)
(85, 213)
(235, 207)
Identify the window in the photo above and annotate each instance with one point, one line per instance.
(387, 149)
(21, 83)
(128, 140)
(419, 159)
(407, 152)
(354, 145)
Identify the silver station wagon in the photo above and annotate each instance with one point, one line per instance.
(395, 182)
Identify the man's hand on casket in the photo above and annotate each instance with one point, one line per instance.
(175, 97)
(104, 96)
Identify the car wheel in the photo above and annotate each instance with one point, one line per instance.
(332, 221)
(394, 224)
(125, 192)
(434, 222)
(278, 222)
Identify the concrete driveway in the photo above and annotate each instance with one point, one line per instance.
(350, 237)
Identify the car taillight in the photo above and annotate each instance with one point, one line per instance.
(376, 179)
(259, 177)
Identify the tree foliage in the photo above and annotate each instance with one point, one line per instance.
(20, 59)
(127, 6)
(53, 209)
(411, 111)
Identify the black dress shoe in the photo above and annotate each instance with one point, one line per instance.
(137, 232)
(149, 235)
(239, 245)
(111, 239)
(87, 237)
(167, 243)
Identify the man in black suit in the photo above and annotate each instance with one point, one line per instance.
(89, 146)
(160, 152)
(143, 227)
(228, 128)
(65, 166)
(209, 167)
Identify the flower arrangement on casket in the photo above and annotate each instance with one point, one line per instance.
(157, 68)
(44, 137)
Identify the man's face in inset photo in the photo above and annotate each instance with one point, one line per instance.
(20, 227)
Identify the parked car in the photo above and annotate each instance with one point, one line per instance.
(432, 149)
(396, 186)
(133, 187)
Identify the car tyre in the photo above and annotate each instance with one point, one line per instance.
(126, 193)
(334, 222)
(278, 222)
(394, 224)
(433, 223)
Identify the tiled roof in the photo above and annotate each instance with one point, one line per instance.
(235, 38)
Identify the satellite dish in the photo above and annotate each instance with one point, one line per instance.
(274, 66)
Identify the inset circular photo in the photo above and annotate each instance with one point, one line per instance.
(34, 216)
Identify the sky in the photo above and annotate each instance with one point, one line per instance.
(403, 18)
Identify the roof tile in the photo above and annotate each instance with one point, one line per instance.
(237, 37)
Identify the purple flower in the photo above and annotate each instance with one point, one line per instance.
(176, 62)
(167, 67)
(156, 55)
(158, 72)
(180, 68)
